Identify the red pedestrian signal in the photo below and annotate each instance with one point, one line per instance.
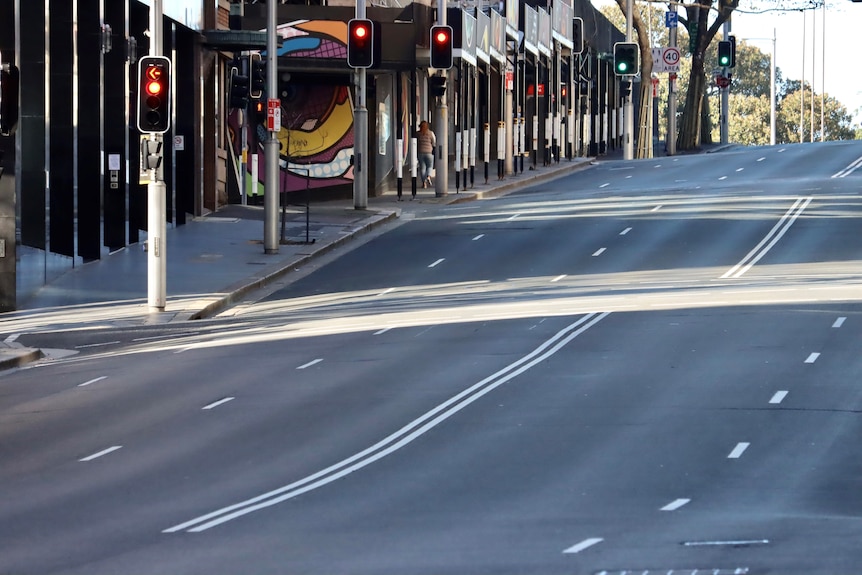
(361, 43)
(154, 95)
(441, 47)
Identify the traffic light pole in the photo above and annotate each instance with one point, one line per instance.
(270, 190)
(441, 126)
(725, 95)
(628, 105)
(156, 190)
(671, 97)
(360, 140)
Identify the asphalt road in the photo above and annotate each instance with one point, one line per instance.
(646, 367)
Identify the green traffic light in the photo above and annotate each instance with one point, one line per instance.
(622, 67)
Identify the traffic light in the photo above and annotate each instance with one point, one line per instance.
(8, 99)
(441, 47)
(360, 43)
(238, 87)
(438, 86)
(257, 71)
(578, 35)
(259, 111)
(626, 58)
(725, 54)
(154, 95)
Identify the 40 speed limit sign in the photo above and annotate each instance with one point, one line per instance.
(665, 59)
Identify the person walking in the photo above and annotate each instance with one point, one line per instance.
(426, 142)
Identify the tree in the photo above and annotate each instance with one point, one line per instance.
(837, 121)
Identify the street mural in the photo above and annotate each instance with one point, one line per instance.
(316, 137)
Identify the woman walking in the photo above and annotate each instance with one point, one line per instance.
(426, 141)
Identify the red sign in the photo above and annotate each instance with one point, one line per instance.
(273, 115)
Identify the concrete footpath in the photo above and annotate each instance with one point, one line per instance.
(216, 260)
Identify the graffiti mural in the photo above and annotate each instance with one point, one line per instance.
(316, 137)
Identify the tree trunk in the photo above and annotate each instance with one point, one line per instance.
(644, 121)
(689, 131)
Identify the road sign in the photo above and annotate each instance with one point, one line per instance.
(666, 60)
(273, 115)
(671, 19)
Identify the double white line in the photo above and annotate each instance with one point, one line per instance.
(849, 169)
(775, 234)
(397, 440)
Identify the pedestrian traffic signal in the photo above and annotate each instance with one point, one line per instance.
(154, 95)
(441, 47)
(257, 71)
(8, 99)
(238, 86)
(438, 86)
(360, 43)
(626, 58)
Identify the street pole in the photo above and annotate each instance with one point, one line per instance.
(441, 125)
(156, 191)
(628, 104)
(725, 95)
(360, 141)
(772, 93)
(270, 190)
(671, 97)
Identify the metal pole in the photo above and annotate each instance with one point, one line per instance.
(813, 64)
(360, 142)
(628, 104)
(156, 191)
(823, 77)
(270, 146)
(671, 98)
(772, 93)
(725, 95)
(441, 125)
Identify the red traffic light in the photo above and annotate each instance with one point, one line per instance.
(154, 100)
(441, 47)
(360, 31)
(362, 44)
(441, 36)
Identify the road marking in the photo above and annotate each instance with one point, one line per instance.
(852, 167)
(839, 322)
(739, 169)
(599, 252)
(657, 208)
(400, 438)
(92, 381)
(479, 237)
(96, 344)
(781, 150)
(812, 358)
(676, 504)
(12, 338)
(738, 450)
(769, 240)
(101, 453)
(605, 185)
(310, 363)
(382, 331)
(558, 278)
(778, 397)
(164, 337)
(217, 403)
(515, 217)
(761, 159)
(736, 543)
(722, 178)
(625, 231)
(437, 263)
(386, 291)
(585, 544)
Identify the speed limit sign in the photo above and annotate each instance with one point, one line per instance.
(670, 57)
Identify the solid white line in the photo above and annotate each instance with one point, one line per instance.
(674, 505)
(769, 240)
(86, 383)
(599, 252)
(399, 439)
(735, 543)
(101, 453)
(479, 237)
(437, 263)
(852, 167)
(585, 544)
(839, 322)
(96, 344)
(558, 278)
(812, 358)
(778, 397)
(310, 363)
(219, 402)
(163, 337)
(625, 231)
(738, 450)
(382, 331)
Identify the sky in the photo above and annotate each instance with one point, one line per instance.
(842, 19)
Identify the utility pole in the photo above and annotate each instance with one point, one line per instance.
(441, 125)
(628, 104)
(156, 190)
(270, 189)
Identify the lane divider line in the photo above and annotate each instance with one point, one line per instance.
(852, 167)
(625, 231)
(585, 544)
(397, 440)
(769, 240)
(599, 252)
(839, 322)
(310, 363)
(479, 237)
(437, 263)
(101, 453)
(812, 358)
(558, 278)
(676, 504)
(215, 404)
(738, 450)
(92, 381)
(778, 397)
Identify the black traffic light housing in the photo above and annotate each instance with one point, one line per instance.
(8, 99)
(154, 95)
(578, 35)
(363, 43)
(238, 85)
(437, 86)
(626, 58)
(725, 54)
(441, 47)
(257, 73)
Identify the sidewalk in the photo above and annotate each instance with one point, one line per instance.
(214, 261)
